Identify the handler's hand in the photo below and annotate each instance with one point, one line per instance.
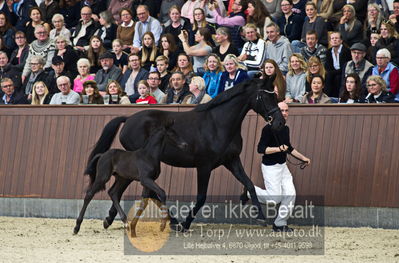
(283, 148)
(307, 161)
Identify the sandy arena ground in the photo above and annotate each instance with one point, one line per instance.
(51, 240)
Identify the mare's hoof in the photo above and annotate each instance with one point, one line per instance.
(76, 230)
(106, 224)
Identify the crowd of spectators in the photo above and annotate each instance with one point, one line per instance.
(189, 51)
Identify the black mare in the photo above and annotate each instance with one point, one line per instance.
(142, 165)
(212, 132)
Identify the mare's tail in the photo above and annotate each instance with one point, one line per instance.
(104, 143)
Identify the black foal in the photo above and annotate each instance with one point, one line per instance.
(142, 165)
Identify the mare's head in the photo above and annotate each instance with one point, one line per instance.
(264, 102)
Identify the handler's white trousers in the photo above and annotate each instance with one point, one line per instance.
(279, 189)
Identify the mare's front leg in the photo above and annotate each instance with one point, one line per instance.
(236, 168)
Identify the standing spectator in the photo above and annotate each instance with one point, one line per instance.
(177, 90)
(290, 23)
(154, 80)
(146, 23)
(20, 54)
(10, 95)
(144, 91)
(125, 30)
(313, 48)
(169, 49)
(70, 9)
(59, 28)
(316, 95)
(42, 47)
(336, 57)
(115, 7)
(66, 95)
(107, 31)
(259, 16)
(67, 53)
(49, 8)
(349, 27)
(84, 74)
(176, 24)
(225, 46)
(387, 71)
(8, 71)
(279, 48)
(90, 89)
(352, 88)
(377, 91)
(85, 29)
(296, 79)
(107, 72)
(40, 94)
(197, 90)
(269, 69)
(7, 33)
(36, 19)
(162, 68)
(235, 73)
(253, 53)
(133, 75)
(213, 72)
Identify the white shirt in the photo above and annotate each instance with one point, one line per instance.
(336, 58)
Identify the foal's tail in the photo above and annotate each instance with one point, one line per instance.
(104, 143)
(93, 163)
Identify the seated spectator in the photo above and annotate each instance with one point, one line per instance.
(91, 91)
(7, 33)
(120, 57)
(43, 47)
(373, 21)
(162, 68)
(225, 46)
(107, 73)
(49, 8)
(94, 52)
(176, 24)
(258, 16)
(165, 7)
(70, 9)
(295, 79)
(85, 29)
(316, 95)
(290, 23)
(394, 17)
(184, 66)
(253, 53)
(84, 74)
(198, 94)
(336, 57)
(125, 30)
(153, 7)
(154, 80)
(372, 49)
(235, 73)
(177, 90)
(387, 71)
(37, 74)
(59, 28)
(389, 41)
(299, 7)
(22, 14)
(313, 48)
(107, 31)
(8, 71)
(324, 8)
(58, 69)
(144, 91)
(149, 52)
(359, 5)
(66, 95)
(67, 53)
(385, 8)
(146, 23)
(133, 75)
(200, 51)
(97, 6)
(35, 19)
(273, 7)
(190, 6)
(270, 68)
(349, 27)
(213, 72)
(279, 49)
(117, 95)
(312, 22)
(10, 95)
(20, 54)
(40, 94)
(358, 64)
(199, 22)
(115, 7)
(377, 91)
(315, 67)
(352, 88)
(169, 49)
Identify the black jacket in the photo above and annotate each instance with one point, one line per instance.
(16, 98)
(344, 57)
(90, 30)
(43, 76)
(10, 72)
(385, 97)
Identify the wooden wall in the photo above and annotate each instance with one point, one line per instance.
(354, 151)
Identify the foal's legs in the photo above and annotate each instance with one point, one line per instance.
(115, 197)
(235, 167)
(112, 191)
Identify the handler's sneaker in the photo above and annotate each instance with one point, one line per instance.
(282, 228)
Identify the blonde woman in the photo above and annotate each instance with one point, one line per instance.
(198, 94)
(373, 20)
(40, 94)
(377, 91)
(315, 67)
(296, 78)
(235, 73)
(149, 51)
(349, 27)
(117, 95)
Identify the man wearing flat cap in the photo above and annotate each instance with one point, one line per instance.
(108, 72)
(57, 70)
(358, 65)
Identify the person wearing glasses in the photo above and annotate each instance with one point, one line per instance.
(19, 55)
(10, 95)
(66, 94)
(377, 91)
(84, 30)
(154, 80)
(37, 74)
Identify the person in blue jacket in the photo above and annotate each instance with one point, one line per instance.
(235, 73)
